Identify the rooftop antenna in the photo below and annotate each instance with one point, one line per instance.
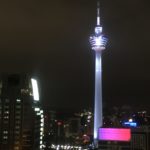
(98, 13)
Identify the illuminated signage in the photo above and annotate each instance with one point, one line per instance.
(114, 134)
(130, 124)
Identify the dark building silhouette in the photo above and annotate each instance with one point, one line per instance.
(21, 120)
(50, 128)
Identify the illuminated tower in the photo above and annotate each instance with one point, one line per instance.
(98, 43)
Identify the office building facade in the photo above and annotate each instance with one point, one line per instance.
(20, 115)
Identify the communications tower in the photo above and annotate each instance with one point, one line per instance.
(98, 43)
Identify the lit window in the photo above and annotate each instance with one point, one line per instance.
(41, 129)
(16, 148)
(5, 132)
(18, 100)
(6, 117)
(24, 91)
(37, 109)
(5, 137)
(6, 112)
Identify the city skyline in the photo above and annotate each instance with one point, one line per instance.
(50, 40)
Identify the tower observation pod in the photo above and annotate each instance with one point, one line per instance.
(98, 43)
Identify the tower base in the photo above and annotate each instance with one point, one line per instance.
(95, 142)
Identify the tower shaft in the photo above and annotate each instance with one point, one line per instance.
(98, 120)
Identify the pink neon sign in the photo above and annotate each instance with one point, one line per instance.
(114, 134)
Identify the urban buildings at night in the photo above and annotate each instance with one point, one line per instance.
(137, 121)
(21, 118)
(65, 130)
(25, 126)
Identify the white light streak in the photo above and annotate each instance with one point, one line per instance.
(35, 89)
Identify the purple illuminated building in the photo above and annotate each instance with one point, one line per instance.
(98, 43)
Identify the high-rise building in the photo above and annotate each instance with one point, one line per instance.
(50, 127)
(98, 43)
(21, 118)
(140, 138)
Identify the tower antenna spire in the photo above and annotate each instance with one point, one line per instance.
(98, 13)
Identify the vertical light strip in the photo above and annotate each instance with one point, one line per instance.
(35, 89)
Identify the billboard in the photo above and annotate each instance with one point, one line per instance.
(114, 134)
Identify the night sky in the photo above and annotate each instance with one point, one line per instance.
(50, 39)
